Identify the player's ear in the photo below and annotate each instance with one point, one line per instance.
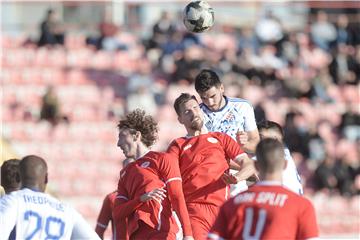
(221, 88)
(46, 178)
(285, 164)
(137, 136)
(179, 119)
(256, 164)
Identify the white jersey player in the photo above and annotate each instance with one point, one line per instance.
(230, 118)
(290, 176)
(37, 215)
(233, 116)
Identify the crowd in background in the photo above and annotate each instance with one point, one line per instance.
(306, 80)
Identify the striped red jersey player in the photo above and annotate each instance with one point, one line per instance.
(149, 188)
(203, 158)
(267, 210)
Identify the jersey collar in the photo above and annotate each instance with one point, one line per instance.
(269, 183)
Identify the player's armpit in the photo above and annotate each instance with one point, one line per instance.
(177, 199)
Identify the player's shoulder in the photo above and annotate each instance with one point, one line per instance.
(152, 155)
(238, 101)
(220, 136)
(179, 141)
(111, 196)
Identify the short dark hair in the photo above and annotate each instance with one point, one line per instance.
(33, 170)
(183, 98)
(137, 120)
(10, 175)
(205, 80)
(265, 124)
(270, 155)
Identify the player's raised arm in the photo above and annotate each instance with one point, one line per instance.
(171, 173)
(81, 229)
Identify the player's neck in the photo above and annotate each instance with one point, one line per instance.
(193, 133)
(35, 187)
(271, 177)
(141, 151)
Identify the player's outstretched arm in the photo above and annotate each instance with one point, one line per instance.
(247, 167)
(82, 230)
(177, 199)
(104, 217)
(248, 140)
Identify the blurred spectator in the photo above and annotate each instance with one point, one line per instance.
(296, 133)
(52, 31)
(268, 29)
(325, 175)
(142, 98)
(162, 30)
(345, 175)
(322, 31)
(343, 67)
(342, 28)
(50, 107)
(108, 39)
(350, 124)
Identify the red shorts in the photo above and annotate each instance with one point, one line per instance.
(202, 217)
(146, 232)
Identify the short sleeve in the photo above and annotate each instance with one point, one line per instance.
(174, 150)
(121, 191)
(169, 168)
(8, 214)
(308, 227)
(231, 148)
(249, 117)
(105, 214)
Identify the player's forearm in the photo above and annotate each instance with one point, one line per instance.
(247, 170)
(178, 203)
(250, 146)
(100, 231)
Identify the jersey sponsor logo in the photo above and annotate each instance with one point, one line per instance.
(145, 164)
(187, 147)
(212, 140)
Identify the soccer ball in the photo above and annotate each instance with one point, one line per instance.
(198, 16)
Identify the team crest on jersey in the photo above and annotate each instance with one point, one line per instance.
(187, 147)
(212, 140)
(145, 164)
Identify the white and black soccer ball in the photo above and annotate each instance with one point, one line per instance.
(198, 16)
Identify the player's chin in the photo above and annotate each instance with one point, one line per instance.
(196, 124)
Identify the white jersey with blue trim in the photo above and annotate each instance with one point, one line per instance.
(236, 115)
(290, 176)
(37, 215)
